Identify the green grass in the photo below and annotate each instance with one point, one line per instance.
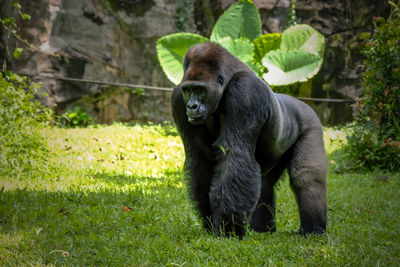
(115, 196)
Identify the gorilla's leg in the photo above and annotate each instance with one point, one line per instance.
(307, 171)
(263, 216)
(198, 172)
(199, 193)
(262, 219)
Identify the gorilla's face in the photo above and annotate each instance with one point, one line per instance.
(201, 100)
(202, 85)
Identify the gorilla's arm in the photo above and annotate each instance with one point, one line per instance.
(236, 181)
(199, 163)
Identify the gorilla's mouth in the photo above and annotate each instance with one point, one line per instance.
(196, 119)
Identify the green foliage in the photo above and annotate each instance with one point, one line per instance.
(76, 118)
(294, 56)
(17, 5)
(303, 38)
(17, 52)
(298, 58)
(11, 28)
(139, 92)
(9, 24)
(234, 30)
(118, 198)
(375, 139)
(243, 49)
(26, 16)
(265, 43)
(241, 20)
(22, 149)
(290, 67)
(182, 14)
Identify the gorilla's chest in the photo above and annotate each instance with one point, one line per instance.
(213, 125)
(266, 152)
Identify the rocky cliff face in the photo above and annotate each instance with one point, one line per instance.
(114, 41)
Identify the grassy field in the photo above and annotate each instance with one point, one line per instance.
(115, 196)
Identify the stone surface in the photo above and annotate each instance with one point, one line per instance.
(111, 41)
(115, 40)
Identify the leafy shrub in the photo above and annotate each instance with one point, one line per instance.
(294, 56)
(22, 149)
(375, 139)
(76, 118)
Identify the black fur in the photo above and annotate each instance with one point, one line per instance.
(239, 137)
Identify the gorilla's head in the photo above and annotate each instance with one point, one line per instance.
(207, 70)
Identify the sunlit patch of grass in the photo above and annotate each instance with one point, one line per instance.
(117, 197)
(334, 139)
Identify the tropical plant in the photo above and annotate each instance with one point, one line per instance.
(76, 118)
(298, 58)
(296, 55)
(375, 139)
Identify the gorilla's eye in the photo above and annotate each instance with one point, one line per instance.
(186, 93)
(186, 63)
(220, 79)
(186, 90)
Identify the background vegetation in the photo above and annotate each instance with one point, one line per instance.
(22, 148)
(374, 141)
(281, 59)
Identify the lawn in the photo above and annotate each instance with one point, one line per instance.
(114, 195)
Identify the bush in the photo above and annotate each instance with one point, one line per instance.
(22, 149)
(76, 118)
(374, 142)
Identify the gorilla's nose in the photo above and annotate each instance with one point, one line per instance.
(192, 106)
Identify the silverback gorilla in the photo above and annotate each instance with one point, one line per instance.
(239, 137)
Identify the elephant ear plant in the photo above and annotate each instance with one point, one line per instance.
(298, 58)
(295, 55)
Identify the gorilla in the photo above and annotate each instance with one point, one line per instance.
(238, 138)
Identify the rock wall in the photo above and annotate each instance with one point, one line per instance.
(104, 40)
(114, 41)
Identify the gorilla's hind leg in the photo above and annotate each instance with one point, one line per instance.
(307, 171)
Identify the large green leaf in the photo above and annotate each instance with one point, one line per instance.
(266, 43)
(171, 50)
(304, 38)
(242, 49)
(241, 20)
(287, 67)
